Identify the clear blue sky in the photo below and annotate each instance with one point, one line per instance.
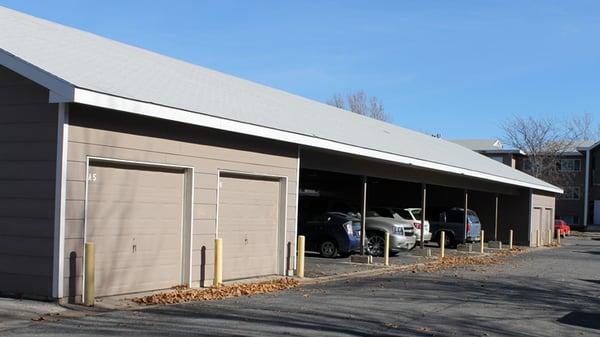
(454, 67)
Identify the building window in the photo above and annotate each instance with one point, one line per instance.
(498, 158)
(569, 165)
(571, 193)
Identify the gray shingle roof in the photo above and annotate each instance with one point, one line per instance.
(88, 61)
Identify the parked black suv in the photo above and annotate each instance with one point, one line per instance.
(451, 220)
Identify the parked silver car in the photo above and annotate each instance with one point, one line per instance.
(402, 235)
(410, 216)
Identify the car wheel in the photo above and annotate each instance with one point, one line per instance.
(328, 249)
(375, 244)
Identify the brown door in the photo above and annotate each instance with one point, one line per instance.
(248, 225)
(134, 217)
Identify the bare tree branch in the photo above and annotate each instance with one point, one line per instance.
(358, 102)
(545, 141)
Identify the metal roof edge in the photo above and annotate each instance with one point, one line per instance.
(60, 90)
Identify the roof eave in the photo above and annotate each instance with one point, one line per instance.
(107, 101)
(61, 91)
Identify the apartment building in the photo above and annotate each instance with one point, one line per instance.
(580, 203)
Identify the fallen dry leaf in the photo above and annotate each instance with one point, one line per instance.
(182, 294)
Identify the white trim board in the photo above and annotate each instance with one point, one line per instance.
(93, 98)
(62, 141)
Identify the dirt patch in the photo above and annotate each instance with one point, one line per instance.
(183, 294)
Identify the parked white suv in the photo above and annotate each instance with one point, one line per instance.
(406, 216)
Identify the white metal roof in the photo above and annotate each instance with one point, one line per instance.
(82, 67)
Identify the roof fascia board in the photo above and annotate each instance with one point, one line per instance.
(60, 90)
(102, 100)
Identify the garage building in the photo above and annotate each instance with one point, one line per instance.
(152, 158)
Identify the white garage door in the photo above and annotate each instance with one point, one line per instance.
(248, 225)
(134, 217)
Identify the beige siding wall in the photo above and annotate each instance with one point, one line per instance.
(27, 173)
(545, 202)
(102, 133)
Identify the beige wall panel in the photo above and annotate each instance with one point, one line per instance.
(205, 211)
(181, 148)
(204, 195)
(109, 134)
(206, 180)
(204, 227)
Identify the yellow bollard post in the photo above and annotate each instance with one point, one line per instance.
(218, 277)
(510, 239)
(386, 252)
(549, 237)
(482, 241)
(442, 244)
(300, 266)
(89, 291)
(558, 236)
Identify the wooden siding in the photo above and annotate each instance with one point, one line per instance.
(28, 128)
(112, 134)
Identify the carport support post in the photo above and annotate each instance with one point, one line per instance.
(363, 218)
(496, 219)
(423, 210)
(466, 212)
(442, 244)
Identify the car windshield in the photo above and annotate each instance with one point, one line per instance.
(473, 218)
(403, 214)
(416, 213)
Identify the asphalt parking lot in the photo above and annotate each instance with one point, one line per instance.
(548, 292)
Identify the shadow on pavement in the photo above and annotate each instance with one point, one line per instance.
(582, 319)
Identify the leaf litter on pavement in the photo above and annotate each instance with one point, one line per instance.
(182, 294)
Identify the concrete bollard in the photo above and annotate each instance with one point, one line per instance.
(558, 236)
(537, 238)
(442, 244)
(218, 278)
(482, 241)
(300, 260)
(549, 237)
(510, 239)
(386, 252)
(89, 291)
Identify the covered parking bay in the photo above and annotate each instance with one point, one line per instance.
(500, 207)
